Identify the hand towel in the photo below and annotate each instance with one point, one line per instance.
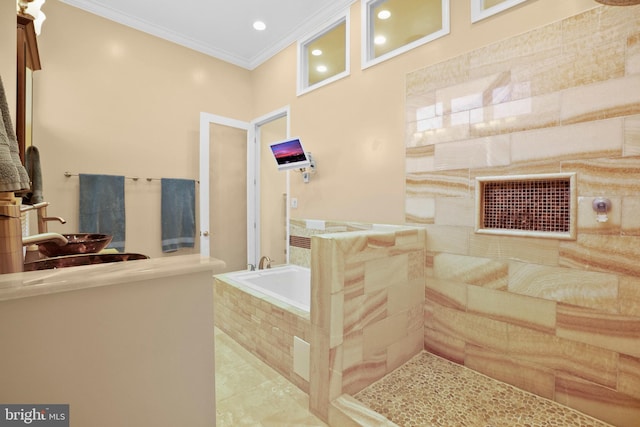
(32, 164)
(178, 213)
(102, 207)
(13, 176)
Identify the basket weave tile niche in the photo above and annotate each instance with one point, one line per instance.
(527, 205)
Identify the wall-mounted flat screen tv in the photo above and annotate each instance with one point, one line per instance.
(289, 154)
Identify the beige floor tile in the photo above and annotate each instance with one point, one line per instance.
(250, 393)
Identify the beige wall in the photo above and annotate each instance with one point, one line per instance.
(355, 127)
(113, 100)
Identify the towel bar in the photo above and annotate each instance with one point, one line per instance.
(134, 178)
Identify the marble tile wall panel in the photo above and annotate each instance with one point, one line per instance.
(448, 239)
(541, 42)
(605, 253)
(444, 345)
(549, 351)
(446, 73)
(419, 209)
(618, 409)
(631, 136)
(535, 112)
(439, 128)
(483, 272)
(473, 153)
(616, 333)
(569, 309)
(587, 222)
(527, 249)
(446, 293)
(608, 176)
(577, 287)
(629, 376)
(470, 328)
(533, 313)
(630, 221)
(526, 376)
(420, 159)
(629, 295)
(473, 94)
(587, 140)
(594, 102)
(455, 211)
(632, 65)
(453, 183)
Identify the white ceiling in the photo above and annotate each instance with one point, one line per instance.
(222, 28)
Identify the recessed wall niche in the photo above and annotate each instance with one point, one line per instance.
(541, 205)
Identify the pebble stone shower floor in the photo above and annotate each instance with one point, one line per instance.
(429, 391)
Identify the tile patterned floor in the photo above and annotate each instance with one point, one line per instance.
(432, 392)
(250, 393)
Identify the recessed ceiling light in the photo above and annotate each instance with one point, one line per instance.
(316, 52)
(384, 14)
(259, 26)
(321, 68)
(380, 40)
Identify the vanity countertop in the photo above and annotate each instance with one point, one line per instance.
(33, 283)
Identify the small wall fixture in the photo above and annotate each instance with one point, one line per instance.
(306, 172)
(602, 206)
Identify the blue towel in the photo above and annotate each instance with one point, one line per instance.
(178, 200)
(102, 207)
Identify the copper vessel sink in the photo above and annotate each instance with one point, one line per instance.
(82, 259)
(79, 243)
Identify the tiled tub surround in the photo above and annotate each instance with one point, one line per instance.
(367, 304)
(560, 319)
(262, 324)
(301, 231)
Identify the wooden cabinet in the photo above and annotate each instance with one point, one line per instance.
(28, 62)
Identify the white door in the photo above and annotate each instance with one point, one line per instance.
(272, 196)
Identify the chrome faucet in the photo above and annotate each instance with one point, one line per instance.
(265, 262)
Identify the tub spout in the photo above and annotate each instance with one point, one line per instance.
(265, 262)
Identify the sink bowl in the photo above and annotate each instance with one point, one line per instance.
(82, 259)
(79, 243)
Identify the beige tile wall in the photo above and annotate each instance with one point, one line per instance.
(262, 326)
(558, 318)
(366, 310)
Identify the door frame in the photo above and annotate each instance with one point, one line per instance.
(253, 183)
(253, 178)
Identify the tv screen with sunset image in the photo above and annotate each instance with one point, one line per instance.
(289, 154)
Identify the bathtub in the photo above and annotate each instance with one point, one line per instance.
(289, 283)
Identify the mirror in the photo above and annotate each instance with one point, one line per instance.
(28, 61)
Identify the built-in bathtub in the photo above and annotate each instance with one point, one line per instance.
(267, 312)
(289, 284)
